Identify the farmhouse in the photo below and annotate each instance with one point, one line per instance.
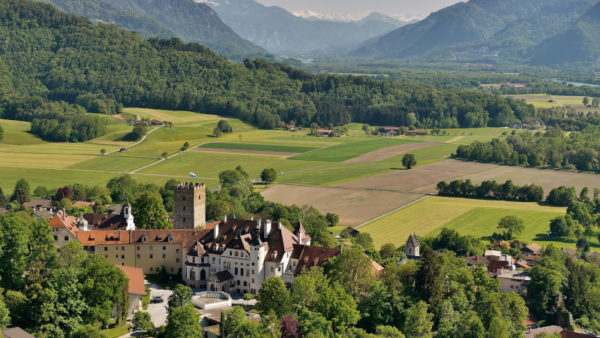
(323, 132)
(39, 205)
(233, 255)
(389, 131)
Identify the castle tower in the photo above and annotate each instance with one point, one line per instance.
(189, 209)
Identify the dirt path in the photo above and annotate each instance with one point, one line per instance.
(382, 154)
(138, 142)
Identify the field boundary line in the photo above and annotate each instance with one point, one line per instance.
(138, 142)
(393, 211)
(168, 158)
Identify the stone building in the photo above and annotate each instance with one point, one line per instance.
(189, 206)
(412, 248)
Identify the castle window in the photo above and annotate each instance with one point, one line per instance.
(66, 238)
(116, 256)
(271, 269)
(138, 248)
(236, 254)
(236, 271)
(122, 264)
(164, 256)
(105, 248)
(176, 250)
(164, 247)
(122, 256)
(150, 247)
(138, 256)
(238, 283)
(151, 256)
(184, 219)
(122, 248)
(183, 208)
(55, 238)
(242, 271)
(151, 269)
(245, 283)
(183, 198)
(177, 260)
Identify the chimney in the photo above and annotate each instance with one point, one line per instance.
(299, 237)
(267, 229)
(216, 230)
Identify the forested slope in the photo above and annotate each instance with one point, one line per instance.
(62, 57)
(185, 19)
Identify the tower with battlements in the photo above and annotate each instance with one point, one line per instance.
(189, 209)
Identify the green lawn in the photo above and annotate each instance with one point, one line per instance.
(431, 214)
(210, 164)
(117, 331)
(113, 162)
(346, 151)
(259, 147)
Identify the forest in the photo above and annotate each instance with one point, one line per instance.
(49, 55)
(553, 148)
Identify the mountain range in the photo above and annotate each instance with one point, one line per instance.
(281, 32)
(513, 30)
(185, 19)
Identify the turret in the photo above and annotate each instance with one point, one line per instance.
(267, 229)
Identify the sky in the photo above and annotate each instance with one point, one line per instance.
(360, 8)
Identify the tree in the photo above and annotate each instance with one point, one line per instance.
(409, 161)
(149, 211)
(338, 307)
(375, 306)
(142, 322)
(64, 192)
(352, 270)
(217, 132)
(512, 225)
(185, 146)
(181, 296)
(386, 331)
(364, 239)
(22, 193)
(273, 296)
(289, 326)
(314, 324)
(387, 250)
(586, 101)
(584, 194)
(332, 219)
(164, 155)
(428, 278)
(3, 199)
(268, 175)
(102, 151)
(224, 126)
(365, 128)
(595, 102)
(561, 225)
(122, 188)
(88, 331)
(183, 322)
(418, 321)
(583, 245)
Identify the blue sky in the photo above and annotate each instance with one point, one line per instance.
(359, 8)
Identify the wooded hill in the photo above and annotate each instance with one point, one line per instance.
(62, 57)
(184, 19)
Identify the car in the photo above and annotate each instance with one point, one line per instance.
(156, 299)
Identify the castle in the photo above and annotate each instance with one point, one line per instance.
(232, 255)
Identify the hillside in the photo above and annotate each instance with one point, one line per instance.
(580, 43)
(280, 32)
(185, 19)
(49, 54)
(479, 28)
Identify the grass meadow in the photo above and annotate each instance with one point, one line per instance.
(467, 216)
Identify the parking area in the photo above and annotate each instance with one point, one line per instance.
(158, 311)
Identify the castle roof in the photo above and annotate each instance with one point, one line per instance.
(105, 221)
(309, 256)
(301, 230)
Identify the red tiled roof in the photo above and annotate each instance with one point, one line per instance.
(136, 279)
(323, 131)
(534, 248)
(309, 256)
(82, 204)
(61, 220)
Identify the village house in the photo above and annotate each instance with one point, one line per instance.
(513, 280)
(388, 131)
(324, 132)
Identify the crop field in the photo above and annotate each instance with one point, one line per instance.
(259, 147)
(359, 177)
(468, 216)
(550, 101)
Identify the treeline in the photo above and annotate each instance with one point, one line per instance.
(55, 121)
(552, 148)
(68, 294)
(490, 189)
(62, 57)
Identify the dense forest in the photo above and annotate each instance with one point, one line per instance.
(553, 148)
(61, 57)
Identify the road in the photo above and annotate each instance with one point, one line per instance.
(158, 311)
(138, 142)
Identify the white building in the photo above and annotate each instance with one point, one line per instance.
(238, 255)
(513, 280)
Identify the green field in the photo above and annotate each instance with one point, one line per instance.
(348, 150)
(467, 216)
(258, 147)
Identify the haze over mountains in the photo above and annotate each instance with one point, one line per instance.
(281, 32)
(511, 30)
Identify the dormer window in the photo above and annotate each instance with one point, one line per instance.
(170, 238)
(144, 238)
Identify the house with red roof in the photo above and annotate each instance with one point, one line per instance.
(135, 287)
